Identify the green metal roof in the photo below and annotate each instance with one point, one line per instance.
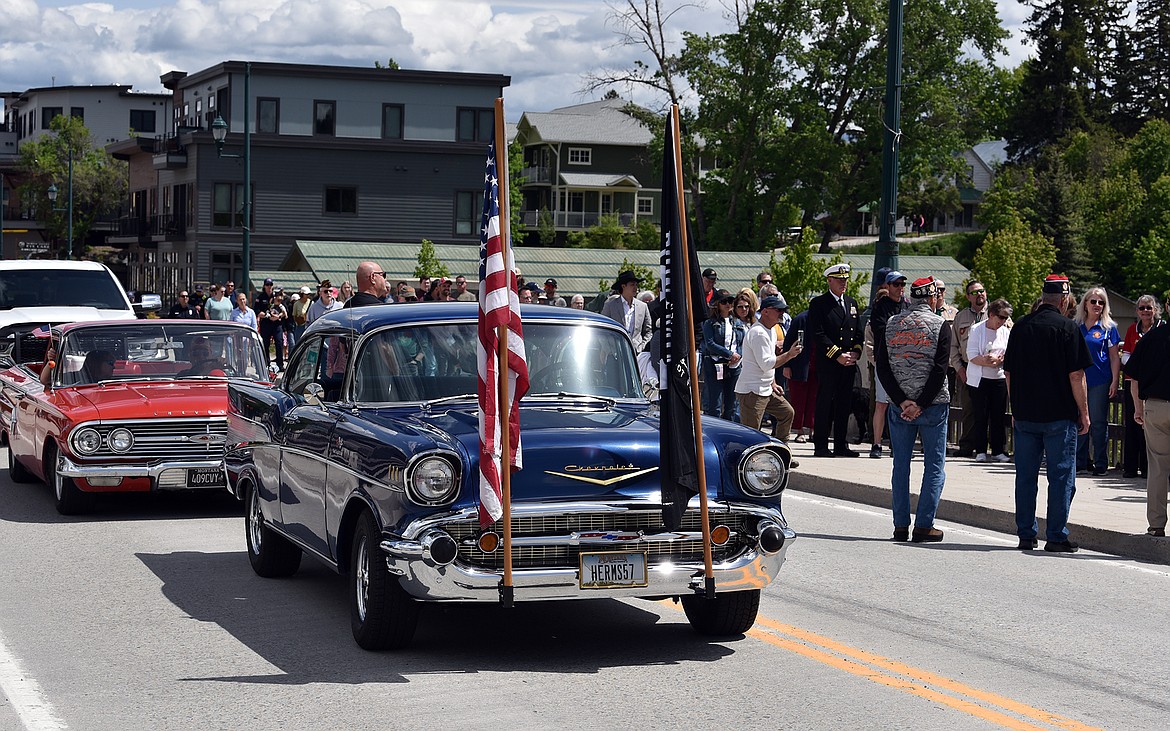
(577, 271)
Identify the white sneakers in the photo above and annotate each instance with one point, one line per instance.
(981, 457)
(1001, 457)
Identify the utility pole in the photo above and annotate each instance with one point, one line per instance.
(886, 251)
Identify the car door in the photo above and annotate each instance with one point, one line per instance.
(304, 435)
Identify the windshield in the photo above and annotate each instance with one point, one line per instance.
(60, 288)
(159, 353)
(427, 362)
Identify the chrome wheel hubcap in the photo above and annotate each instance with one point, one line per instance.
(255, 523)
(362, 577)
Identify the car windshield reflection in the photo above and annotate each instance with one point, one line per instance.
(429, 362)
(159, 352)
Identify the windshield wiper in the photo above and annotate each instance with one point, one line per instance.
(568, 395)
(426, 405)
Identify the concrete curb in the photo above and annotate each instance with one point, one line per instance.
(1127, 545)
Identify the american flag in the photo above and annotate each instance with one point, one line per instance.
(498, 305)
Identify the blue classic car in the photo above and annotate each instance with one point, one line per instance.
(366, 457)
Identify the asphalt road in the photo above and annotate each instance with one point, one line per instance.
(147, 616)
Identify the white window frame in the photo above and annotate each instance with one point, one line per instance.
(649, 206)
(582, 155)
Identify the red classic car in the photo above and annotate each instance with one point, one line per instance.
(124, 406)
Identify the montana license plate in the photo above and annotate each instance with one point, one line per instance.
(613, 569)
(206, 477)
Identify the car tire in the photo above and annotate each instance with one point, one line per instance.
(17, 471)
(382, 615)
(272, 555)
(69, 499)
(729, 613)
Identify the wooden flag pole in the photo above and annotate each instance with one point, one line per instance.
(680, 207)
(507, 594)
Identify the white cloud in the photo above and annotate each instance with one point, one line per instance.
(546, 46)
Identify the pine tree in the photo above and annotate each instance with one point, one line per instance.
(1152, 50)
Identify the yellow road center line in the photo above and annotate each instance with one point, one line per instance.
(895, 682)
(801, 646)
(927, 677)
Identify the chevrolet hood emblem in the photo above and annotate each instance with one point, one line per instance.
(581, 474)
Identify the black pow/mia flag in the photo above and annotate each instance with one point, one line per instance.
(679, 265)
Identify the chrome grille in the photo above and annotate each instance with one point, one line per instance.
(168, 438)
(465, 534)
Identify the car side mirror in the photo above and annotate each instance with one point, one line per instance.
(314, 394)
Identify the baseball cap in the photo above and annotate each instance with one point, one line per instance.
(550, 281)
(773, 302)
(709, 273)
(924, 287)
(267, 280)
(894, 276)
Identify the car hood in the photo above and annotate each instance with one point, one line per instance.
(57, 315)
(152, 400)
(571, 454)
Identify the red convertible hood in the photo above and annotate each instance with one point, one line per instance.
(147, 400)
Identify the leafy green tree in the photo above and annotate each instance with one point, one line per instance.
(390, 64)
(515, 190)
(800, 276)
(645, 236)
(1151, 264)
(1012, 263)
(607, 233)
(546, 230)
(1065, 87)
(429, 264)
(99, 181)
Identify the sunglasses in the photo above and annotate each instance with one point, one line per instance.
(765, 281)
(977, 291)
(380, 274)
(742, 306)
(1146, 308)
(1100, 303)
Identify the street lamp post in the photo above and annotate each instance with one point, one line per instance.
(886, 251)
(53, 199)
(219, 130)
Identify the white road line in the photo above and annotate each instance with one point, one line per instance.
(961, 530)
(24, 693)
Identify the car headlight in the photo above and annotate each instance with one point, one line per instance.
(87, 441)
(431, 481)
(762, 473)
(121, 440)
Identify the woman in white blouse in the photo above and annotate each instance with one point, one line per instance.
(985, 377)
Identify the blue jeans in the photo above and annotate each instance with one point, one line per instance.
(1057, 440)
(931, 426)
(718, 396)
(1098, 427)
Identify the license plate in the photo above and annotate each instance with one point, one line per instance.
(612, 569)
(206, 477)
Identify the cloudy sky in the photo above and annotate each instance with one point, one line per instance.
(544, 45)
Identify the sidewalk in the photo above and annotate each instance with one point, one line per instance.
(1108, 513)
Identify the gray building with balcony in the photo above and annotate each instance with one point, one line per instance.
(360, 154)
(111, 112)
(587, 161)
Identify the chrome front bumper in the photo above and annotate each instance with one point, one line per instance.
(170, 475)
(412, 558)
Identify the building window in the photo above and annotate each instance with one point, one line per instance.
(580, 156)
(324, 118)
(227, 205)
(475, 125)
(142, 120)
(340, 200)
(468, 212)
(391, 121)
(645, 206)
(78, 112)
(47, 114)
(268, 116)
(227, 267)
